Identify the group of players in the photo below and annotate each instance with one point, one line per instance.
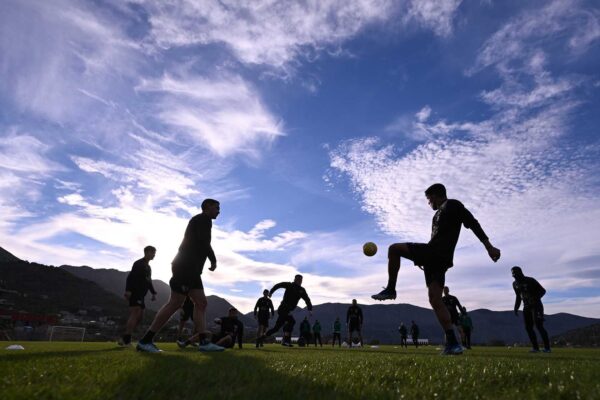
(434, 258)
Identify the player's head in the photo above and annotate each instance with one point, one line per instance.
(298, 279)
(233, 312)
(436, 195)
(149, 252)
(517, 272)
(211, 207)
(446, 290)
(353, 302)
(265, 292)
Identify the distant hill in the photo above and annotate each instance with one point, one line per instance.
(5, 256)
(113, 281)
(382, 321)
(37, 288)
(586, 336)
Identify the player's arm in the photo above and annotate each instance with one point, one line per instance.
(460, 307)
(471, 223)
(281, 285)
(272, 308)
(540, 289)
(256, 307)
(517, 300)
(307, 301)
(203, 229)
(151, 286)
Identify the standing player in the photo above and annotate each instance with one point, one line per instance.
(437, 256)
(467, 328)
(354, 320)
(403, 335)
(261, 313)
(414, 332)
(337, 332)
(317, 333)
(293, 293)
(531, 292)
(187, 313)
(454, 308)
(137, 285)
(232, 329)
(304, 339)
(186, 281)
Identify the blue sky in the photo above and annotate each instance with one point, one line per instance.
(318, 125)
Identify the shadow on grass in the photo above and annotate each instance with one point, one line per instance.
(38, 355)
(217, 376)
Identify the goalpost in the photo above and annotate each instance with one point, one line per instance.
(67, 334)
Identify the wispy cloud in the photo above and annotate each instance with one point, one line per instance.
(223, 114)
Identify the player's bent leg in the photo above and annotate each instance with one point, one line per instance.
(395, 252)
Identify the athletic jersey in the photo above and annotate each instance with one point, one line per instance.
(529, 290)
(403, 331)
(452, 303)
(465, 322)
(139, 280)
(445, 230)
(234, 327)
(354, 314)
(263, 305)
(194, 248)
(414, 330)
(305, 327)
(317, 327)
(293, 294)
(337, 327)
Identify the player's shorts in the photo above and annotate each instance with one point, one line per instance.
(534, 313)
(263, 318)
(137, 300)
(183, 285)
(422, 255)
(353, 325)
(187, 311)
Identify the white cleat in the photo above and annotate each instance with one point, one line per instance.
(147, 348)
(210, 347)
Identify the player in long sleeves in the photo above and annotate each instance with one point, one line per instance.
(137, 285)
(293, 293)
(455, 309)
(232, 330)
(187, 267)
(530, 292)
(354, 320)
(436, 256)
(263, 311)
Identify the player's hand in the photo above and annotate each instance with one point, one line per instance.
(517, 313)
(493, 252)
(127, 295)
(213, 266)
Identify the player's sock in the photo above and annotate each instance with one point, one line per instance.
(148, 337)
(126, 339)
(451, 338)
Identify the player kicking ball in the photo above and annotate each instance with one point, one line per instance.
(437, 256)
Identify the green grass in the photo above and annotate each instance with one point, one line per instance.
(103, 371)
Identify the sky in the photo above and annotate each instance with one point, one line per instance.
(317, 125)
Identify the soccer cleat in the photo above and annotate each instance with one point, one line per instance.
(452, 350)
(534, 350)
(210, 347)
(546, 351)
(147, 348)
(182, 344)
(385, 294)
(286, 344)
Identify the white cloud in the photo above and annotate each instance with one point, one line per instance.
(434, 14)
(223, 114)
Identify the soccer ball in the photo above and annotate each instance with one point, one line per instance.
(369, 249)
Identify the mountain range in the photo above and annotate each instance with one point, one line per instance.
(38, 288)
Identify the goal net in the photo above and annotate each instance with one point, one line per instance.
(67, 334)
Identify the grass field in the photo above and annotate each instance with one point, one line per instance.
(103, 371)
